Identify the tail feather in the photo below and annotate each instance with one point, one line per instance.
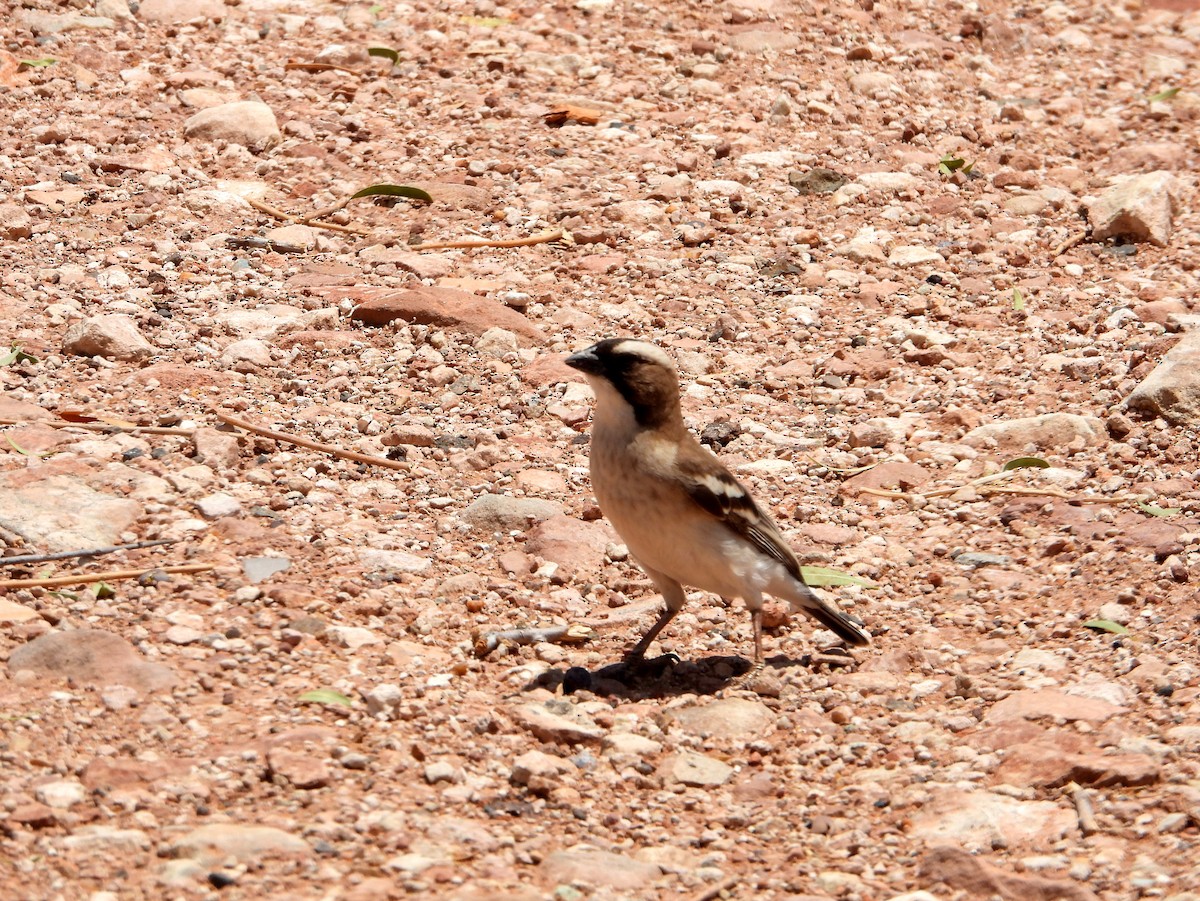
(804, 600)
(847, 628)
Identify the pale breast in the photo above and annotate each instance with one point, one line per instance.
(666, 531)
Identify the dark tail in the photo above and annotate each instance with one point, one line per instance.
(848, 629)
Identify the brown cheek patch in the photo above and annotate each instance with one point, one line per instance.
(652, 401)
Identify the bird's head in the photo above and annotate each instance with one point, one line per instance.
(634, 376)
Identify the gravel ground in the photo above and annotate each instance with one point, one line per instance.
(892, 246)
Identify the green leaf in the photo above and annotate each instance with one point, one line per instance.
(50, 61)
(16, 355)
(386, 53)
(1162, 95)
(326, 696)
(1026, 463)
(23, 452)
(393, 191)
(102, 590)
(1106, 625)
(822, 577)
(1155, 510)
(948, 165)
(1018, 300)
(376, 9)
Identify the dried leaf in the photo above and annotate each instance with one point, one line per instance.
(1026, 463)
(384, 53)
(293, 66)
(393, 191)
(561, 115)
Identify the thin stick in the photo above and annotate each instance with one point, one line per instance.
(101, 427)
(288, 438)
(715, 891)
(254, 242)
(318, 67)
(1071, 242)
(1028, 490)
(329, 210)
(487, 642)
(539, 238)
(92, 552)
(288, 217)
(110, 576)
(1084, 811)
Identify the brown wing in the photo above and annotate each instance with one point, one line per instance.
(716, 490)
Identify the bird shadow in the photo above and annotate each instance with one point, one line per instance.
(658, 677)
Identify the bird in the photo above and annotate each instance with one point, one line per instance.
(681, 513)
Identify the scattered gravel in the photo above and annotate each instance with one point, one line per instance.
(891, 246)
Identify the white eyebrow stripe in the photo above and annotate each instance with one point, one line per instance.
(651, 353)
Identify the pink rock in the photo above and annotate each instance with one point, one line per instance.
(576, 546)
(892, 475)
(216, 449)
(246, 122)
(113, 773)
(977, 878)
(982, 820)
(91, 657)
(616, 871)
(176, 12)
(113, 335)
(440, 307)
(1052, 704)
(1057, 758)
(299, 769)
(1050, 430)
(11, 408)
(33, 815)
(1139, 207)
(516, 563)
(549, 369)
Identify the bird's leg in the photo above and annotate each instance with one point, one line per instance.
(745, 679)
(673, 601)
(639, 651)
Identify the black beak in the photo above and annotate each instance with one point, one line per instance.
(586, 362)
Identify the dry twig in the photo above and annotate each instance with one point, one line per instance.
(540, 238)
(301, 220)
(90, 552)
(294, 66)
(254, 242)
(984, 487)
(486, 642)
(715, 891)
(1072, 241)
(101, 427)
(288, 438)
(110, 576)
(1084, 811)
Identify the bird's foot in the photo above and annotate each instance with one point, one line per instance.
(639, 668)
(758, 679)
